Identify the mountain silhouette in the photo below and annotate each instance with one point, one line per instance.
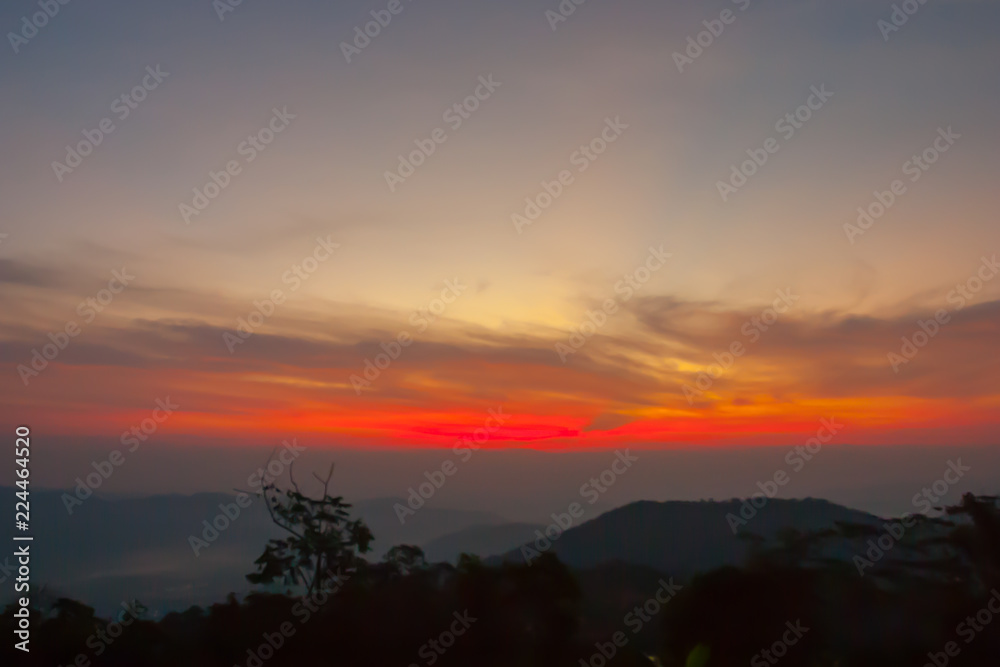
(481, 540)
(684, 537)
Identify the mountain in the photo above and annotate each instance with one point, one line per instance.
(420, 527)
(481, 540)
(110, 550)
(683, 538)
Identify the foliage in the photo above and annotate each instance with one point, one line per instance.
(324, 542)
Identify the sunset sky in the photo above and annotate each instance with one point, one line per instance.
(385, 259)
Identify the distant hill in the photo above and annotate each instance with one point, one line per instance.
(684, 538)
(422, 527)
(483, 541)
(114, 549)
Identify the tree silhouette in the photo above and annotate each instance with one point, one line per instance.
(405, 558)
(976, 536)
(324, 542)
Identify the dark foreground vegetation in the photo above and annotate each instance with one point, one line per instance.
(808, 600)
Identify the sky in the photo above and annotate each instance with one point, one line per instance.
(613, 228)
